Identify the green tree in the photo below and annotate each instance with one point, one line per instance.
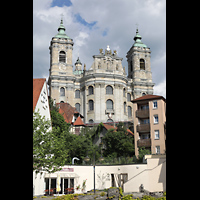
(142, 152)
(118, 143)
(49, 150)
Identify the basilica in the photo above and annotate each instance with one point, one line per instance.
(103, 93)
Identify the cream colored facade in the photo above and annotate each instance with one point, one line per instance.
(149, 123)
(152, 175)
(112, 90)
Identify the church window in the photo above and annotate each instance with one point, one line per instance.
(109, 90)
(128, 97)
(90, 90)
(117, 67)
(142, 64)
(129, 111)
(77, 94)
(78, 107)
(91, 105)
(62, 57)
(124, 92)
(91, 121)
(62, 91)
(124, 107)
(109, 104)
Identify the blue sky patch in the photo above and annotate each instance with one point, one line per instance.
(105, 32)
(82, 21)
(61, 3)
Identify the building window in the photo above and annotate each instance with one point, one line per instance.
(91, 105)
(142, 64)
(62, 57)
(124, 92)
(129, 111)
(78, 107)
(77, 94)
(128, 97)
(61, 101)
(109, 104)
(124, 107)
(155, 104)
(109, 120)
(91, 90)
(62, 91)
(156, 133)
(109, 90)
(157, 149)
(143, 94)
(155, 119)
(91, 121)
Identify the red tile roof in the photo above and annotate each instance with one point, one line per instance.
(129, 132)
(79, 122)
(37, 87)
(67, 111)
(107, 126)
(148, 97)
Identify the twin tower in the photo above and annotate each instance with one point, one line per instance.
(103, 93)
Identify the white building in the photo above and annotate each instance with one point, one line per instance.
(103, 93)
(40, 98)
(130, 177)
(41, 104)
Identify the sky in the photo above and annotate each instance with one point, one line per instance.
(94, 24)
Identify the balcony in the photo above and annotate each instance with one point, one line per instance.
(142, 113)
(142, 128)
(144, 143)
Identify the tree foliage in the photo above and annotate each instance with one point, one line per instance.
(118, 143)
(49, 152)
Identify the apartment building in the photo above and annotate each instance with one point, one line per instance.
(149, 113)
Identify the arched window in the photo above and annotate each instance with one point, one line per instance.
(142, 64)
(109, 90)
(62, 57)
(77, 94)
(143, 94)
(91, 121)
(62, 91)
(124, 92)
(90, 90)
(109, 104)
(91, 105)
(124, 107)
(78, 107)
(128, 97)
(109, 120)
(61, 101)
(129, 111)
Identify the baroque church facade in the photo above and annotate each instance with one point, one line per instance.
(103, 93)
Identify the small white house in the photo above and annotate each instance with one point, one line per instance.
(40, 97)
(41, 104)
(151, 175)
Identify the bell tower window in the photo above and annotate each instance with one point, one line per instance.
(62, 57)
(142, 64)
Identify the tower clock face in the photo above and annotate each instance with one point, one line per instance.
(62, 66)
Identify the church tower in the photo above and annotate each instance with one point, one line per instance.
(61, 77)
(139, 67)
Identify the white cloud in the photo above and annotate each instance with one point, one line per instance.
(160, 89)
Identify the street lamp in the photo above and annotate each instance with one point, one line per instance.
(87, 158)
